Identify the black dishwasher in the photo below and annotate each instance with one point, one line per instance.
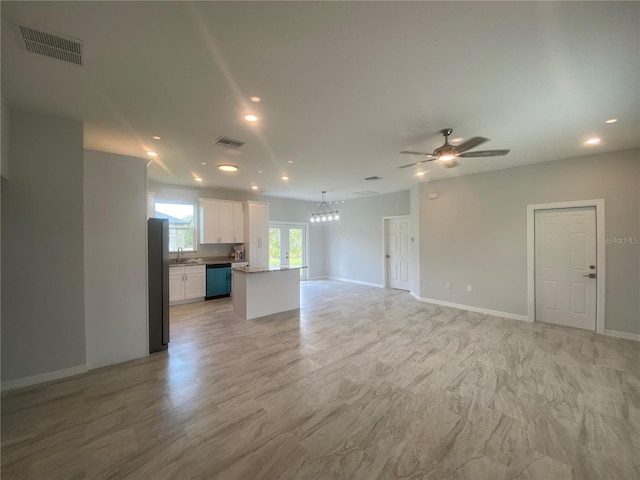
(218, 281)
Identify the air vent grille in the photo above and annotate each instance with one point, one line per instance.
(228, 142)
(62, 48)
(365, 193)
(373, 179)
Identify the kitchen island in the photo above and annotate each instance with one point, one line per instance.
(260, 291)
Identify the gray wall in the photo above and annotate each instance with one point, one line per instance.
(475, 232)
(354, 244)
(42, 247)
(115, 265)
(414, 246)
(280, 210)
(4, 150)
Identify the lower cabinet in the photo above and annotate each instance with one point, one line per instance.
(186, 283)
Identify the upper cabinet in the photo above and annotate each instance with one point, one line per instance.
(221, 221)
(257, 233)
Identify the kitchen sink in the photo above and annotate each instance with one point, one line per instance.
(186, 261)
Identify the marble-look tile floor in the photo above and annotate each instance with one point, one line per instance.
(362, 383)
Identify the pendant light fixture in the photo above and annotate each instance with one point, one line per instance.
(324, 213)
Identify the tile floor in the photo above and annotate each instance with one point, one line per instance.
(361, 383)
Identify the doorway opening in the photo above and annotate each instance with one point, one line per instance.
(566, 265)
(288, 246)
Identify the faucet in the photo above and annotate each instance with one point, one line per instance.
(180, 254)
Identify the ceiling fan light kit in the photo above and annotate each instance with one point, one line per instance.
(323, 213)
(448, 153)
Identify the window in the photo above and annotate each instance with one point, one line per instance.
(182, 225)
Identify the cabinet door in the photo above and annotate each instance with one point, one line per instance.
(252, 222)
(238, 223)
(209, 221)
(194, 286)
(176, 287)
(225, 222)
(254, 254)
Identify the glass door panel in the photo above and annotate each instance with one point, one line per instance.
(275, 246)
(287, 246)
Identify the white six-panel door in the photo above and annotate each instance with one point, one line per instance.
(565, 267)
(398, 233)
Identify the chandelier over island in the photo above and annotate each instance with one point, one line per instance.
(324, 213)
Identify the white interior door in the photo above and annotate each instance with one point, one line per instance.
(287, 246)
(397, 232)
(565, 267)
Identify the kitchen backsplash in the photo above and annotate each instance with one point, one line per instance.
(209, 250)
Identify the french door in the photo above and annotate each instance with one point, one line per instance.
(288, 246)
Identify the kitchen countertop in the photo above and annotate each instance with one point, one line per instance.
(251, 269)
(190, 262)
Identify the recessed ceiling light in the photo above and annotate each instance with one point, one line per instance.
(611, 120)
(228, 167)
(457, 139)
(250, 118)
(284, 177)
(290, 161)
(197, 179)
(152, 154)
(204, 163)
(156, 137)
(593, 141)
(255, 99)
(254, 187)
(259, 171)
(420, 174)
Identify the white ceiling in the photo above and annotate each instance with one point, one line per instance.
(344, 86)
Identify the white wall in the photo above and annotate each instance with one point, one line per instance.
(354, 245)
(280, 210)
(115, 260)
(42, 248)
(475, 232)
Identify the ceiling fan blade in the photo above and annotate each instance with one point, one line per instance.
(417, 153)
(415, 163)
(450, 164)
(471, 143)
(485, 153)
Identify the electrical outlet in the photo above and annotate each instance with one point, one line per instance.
(448, 284)
(469, 288)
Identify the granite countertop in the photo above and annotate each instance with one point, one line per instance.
(189, 262)
(251, 269)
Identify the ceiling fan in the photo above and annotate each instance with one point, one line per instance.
(448, 153)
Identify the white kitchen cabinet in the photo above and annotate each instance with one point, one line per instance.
(257, 233)
(218, 220)
(176, 283)
(186, 283)
(238, 222)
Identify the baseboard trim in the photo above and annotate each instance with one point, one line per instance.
(43, 377)
(628, 336)
(469, 308)
(318, 278)
(378, 285)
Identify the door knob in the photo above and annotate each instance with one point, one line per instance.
(388, 256)
(590, 275)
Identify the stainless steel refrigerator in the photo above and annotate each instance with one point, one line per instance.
(158, 251)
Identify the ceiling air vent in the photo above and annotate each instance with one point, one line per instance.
(67, 49)
(228, 142)
(365, 193)
(373, 179)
